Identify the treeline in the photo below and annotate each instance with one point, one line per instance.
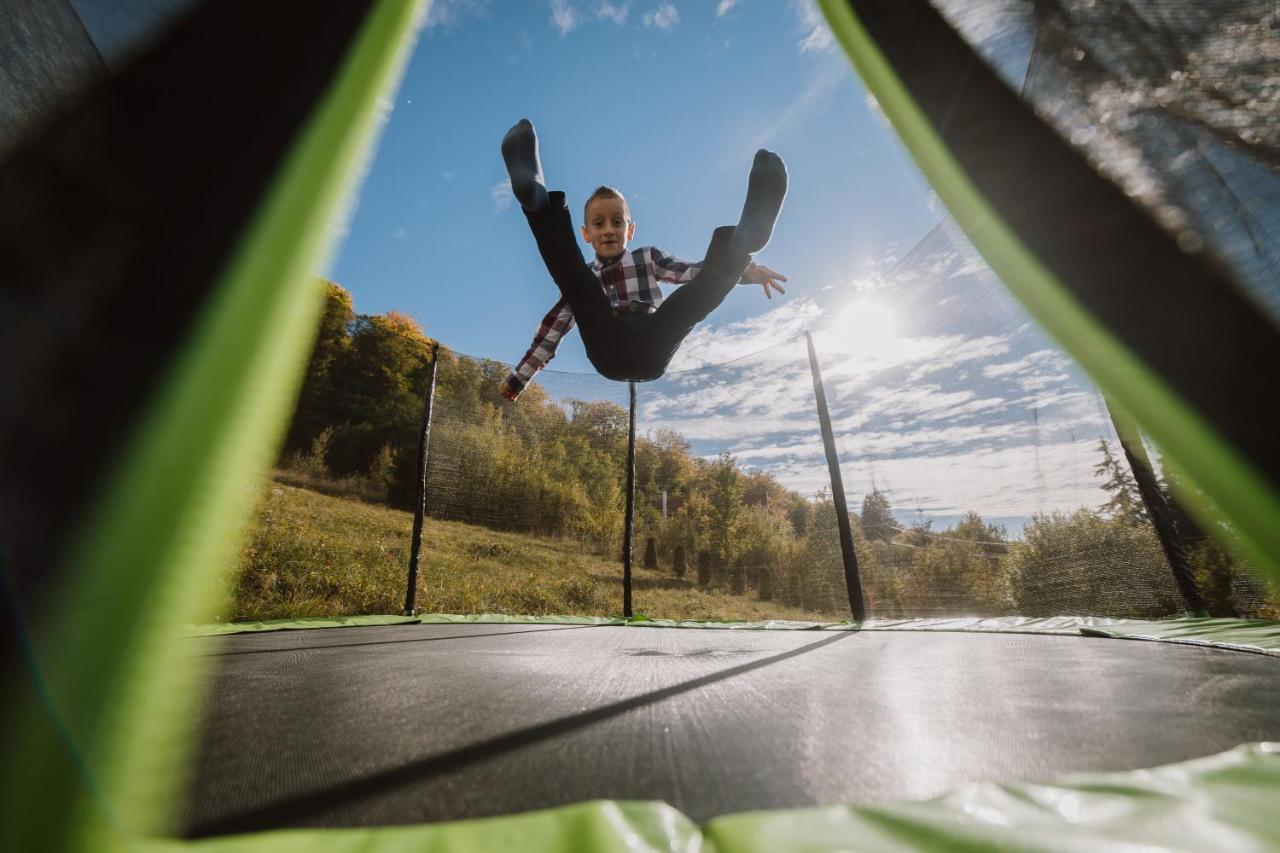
(558, 469)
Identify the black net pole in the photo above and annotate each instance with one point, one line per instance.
(851, 580)
(1153, 497)
(420, 505)
(629, 525)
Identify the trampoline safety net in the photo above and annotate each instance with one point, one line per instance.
(982, 471)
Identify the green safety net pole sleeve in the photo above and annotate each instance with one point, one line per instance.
(895, 43)
(155, 546)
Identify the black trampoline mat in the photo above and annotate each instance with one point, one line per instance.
(419, 723)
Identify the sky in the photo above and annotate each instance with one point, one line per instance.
(668, 101)
(943, 394)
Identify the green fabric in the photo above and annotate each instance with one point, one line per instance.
(1237, 634)
(295, 624)
(1224, 802)
(1235, 491)
(1257, 635)
(507, 619)
(157, 544)
(608, 827)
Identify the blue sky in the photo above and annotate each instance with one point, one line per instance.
(943, 394)
(668, 101)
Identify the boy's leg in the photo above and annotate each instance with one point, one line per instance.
(727, 256)
(766, 188)
(552, 226)
(692, 302)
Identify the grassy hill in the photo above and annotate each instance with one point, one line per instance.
(311, 554)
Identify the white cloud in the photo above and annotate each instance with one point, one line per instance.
(447, 13)
(502, 196)
(564, 17)
(1024, 364)
(664, 17)
(719, 344)
(815, 35)
(400, 233)
(725, 7)
(616, 12)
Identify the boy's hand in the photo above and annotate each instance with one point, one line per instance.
(508, 391)
(763, 276)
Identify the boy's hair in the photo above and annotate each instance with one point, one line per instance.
(606, 192)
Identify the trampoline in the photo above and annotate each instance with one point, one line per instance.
(424, 723)
(463, 733)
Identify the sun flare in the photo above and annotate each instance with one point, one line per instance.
(865, 327)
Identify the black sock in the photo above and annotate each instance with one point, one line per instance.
(520, 152)
(766, 188)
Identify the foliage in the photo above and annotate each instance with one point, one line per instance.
(1085, 563)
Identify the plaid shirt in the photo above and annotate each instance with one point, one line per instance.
(631, 283)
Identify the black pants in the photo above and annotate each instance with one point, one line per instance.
(631, 346)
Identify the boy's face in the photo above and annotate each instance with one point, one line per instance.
(608, 227)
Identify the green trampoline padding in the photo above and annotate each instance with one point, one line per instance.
(1256, 635)
(1216, 803)
(604, 826)
(1249, 635)
(1223, 801)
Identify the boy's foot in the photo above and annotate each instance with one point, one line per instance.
(520, 151)
(766, 188)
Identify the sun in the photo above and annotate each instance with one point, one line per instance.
(864, 327)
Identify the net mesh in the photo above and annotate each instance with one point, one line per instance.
(982, 472)
(1177, 102)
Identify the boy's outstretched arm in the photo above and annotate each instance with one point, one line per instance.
(762, 275)
(551, 331)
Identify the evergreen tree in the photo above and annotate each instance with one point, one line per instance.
(1125, 503)
(972, 528)
(877, 517)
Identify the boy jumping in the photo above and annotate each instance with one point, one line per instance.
(629, 331)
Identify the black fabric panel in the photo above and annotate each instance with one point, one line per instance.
(45, 57)
(1180, 313)
(115, 223)
(417, 723)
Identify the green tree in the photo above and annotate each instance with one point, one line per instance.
(725, 509)
(316, 407)
(1086, 563)
(877, 517)
(1125, 501)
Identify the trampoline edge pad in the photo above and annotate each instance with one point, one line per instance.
(1259, 636)
(1223, 800)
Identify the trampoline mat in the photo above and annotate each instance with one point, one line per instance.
(418, 723)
